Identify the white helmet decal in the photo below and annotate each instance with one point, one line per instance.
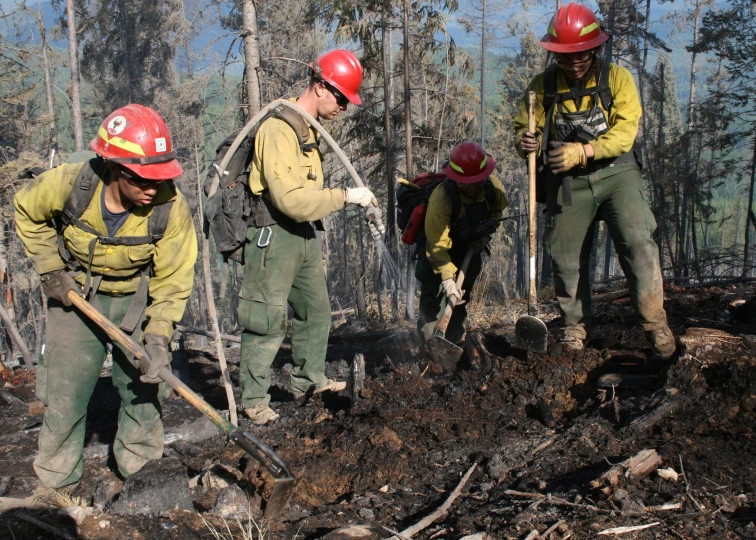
(116, 125)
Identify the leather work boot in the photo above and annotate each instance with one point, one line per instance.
(329, 386)
(56, 497)
(570, 343)
(662, 342)
(261, 414)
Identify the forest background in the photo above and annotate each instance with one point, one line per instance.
(436, 72)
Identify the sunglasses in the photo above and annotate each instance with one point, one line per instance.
(138, 181)
(565, 61)
(341, 99)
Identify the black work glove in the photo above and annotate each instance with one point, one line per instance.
(56, 285)
(156, 347)
(480, 244)
(528, 142)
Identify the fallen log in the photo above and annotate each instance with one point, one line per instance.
(646, 422)
(207, 333)
(609, 297)
(642, 464)
(225, 337)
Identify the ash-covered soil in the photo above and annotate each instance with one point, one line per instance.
(545, 433)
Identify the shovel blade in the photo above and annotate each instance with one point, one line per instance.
(280, 496)
(531, 334)
(444, 353)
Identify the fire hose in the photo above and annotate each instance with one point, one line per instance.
(373, 214)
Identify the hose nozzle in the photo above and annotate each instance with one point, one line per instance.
(374, 217)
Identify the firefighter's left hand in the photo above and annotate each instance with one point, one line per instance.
(564, 156)
(156, 347)
(480, 244)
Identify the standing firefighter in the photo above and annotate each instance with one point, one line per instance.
(282, 260)
(115, 229)
(463, 212)
(587, 113)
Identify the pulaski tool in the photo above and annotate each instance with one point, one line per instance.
(285, 481)
(444, 352)
(531, 333)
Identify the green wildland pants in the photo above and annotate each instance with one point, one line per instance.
(433, 298)
(66, 378)
(282, 265)
(616, 196)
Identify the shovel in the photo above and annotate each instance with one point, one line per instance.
(285, 481)
(531, 333)
(444, 352)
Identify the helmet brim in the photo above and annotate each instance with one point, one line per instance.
(549, 45)
(482, 175)
(167, 170)
(157, 171)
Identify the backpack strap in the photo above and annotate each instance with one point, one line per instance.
(551, 97)
(490, 192)
(299, 125)
(604, 90)
(452, 189)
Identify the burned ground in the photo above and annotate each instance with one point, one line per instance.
(396, 453)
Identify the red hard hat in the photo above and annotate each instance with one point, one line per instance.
(468, 163)
(574, 28)
(341, 69)
(136, 137)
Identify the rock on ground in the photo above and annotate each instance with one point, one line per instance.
(159, 487)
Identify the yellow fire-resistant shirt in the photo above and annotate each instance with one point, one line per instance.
(292, 179)
(173, 256)
(438, 224)
(623, 118)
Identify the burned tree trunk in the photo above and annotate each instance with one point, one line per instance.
(251, 57)
(73, 56)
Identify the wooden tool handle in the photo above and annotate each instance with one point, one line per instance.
(443, 322)
(134, 348)
(532, 231)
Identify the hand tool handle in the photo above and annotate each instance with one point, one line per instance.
(133, 347)
(443, 322)
(532, 231)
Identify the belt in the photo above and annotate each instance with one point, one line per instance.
(592, 168)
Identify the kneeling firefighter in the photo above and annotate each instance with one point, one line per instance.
(587, 112)
(463, 211)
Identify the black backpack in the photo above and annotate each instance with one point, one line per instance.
(411, 195)
(229, 209)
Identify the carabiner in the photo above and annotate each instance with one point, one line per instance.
(260, 243)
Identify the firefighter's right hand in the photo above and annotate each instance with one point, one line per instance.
(528, 142)
(158, 357)
(359, 195)
(56, 285)
(452, 292)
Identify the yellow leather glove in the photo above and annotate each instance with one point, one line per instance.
(564, 156)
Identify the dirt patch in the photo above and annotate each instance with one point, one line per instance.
(396, 454)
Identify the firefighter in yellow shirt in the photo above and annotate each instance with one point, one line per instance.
(282, 261)
(115, 229)
(463, 211)
(587, 115)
